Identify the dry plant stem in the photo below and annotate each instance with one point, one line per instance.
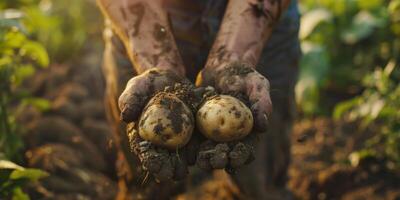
(246, 26)
(144, 29)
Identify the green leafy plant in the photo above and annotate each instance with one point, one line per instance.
(59, 26)
(20, 56)
(345, 45)
(27, 29)
(378, 105)
(13, 177)
(342, 41)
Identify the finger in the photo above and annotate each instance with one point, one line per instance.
(260, 110)
(261, 104)
(141, 88)
(133, 98)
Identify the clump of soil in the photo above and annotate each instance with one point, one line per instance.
(228, 156)
(164, 165)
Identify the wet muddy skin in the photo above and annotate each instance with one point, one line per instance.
(133, 99)
(163, 164)
(138, 11)
(154, 44)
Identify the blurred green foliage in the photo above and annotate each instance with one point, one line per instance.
(13, 177)
(378, 105)
(20, 56)
(350, 68)
(62, 27)
(342, 41)
(33, 34)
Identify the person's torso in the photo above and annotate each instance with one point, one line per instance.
(195, 24)
(197, 21)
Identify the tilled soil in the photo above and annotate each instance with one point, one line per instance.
(73, 142)
(321, 167)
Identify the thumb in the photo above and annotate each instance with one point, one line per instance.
(133, 99)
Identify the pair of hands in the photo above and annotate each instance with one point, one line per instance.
(235, 79)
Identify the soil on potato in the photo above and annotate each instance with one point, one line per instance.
(73, 142)
(177, 108)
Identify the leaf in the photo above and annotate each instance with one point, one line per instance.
(356, 156)
(389, 67)
(6, 164)
(314, 68)
(21, 172)
(21, 73)
(11, 14)
(343, 107)
(8, 23)
(312, 19)
(28, 173)
(37, 52)
(394, 6)
(13, 39)
(370, 4)
(39, 103)
(362, 26)
(18, 194)
(10, 18)
(376, 108)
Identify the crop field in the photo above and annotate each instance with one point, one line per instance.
(59, 139)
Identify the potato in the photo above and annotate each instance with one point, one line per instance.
(224, 118)
(166, 121)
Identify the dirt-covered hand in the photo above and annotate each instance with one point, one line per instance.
(229, 156)
(141, 88)
(159, 106)
(239, 79)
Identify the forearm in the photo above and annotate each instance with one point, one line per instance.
(144, 29)
(246, 27)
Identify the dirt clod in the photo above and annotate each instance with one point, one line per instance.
(213, 157)
(239, 155)
(161, 163)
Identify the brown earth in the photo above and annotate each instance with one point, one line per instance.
(73, 142)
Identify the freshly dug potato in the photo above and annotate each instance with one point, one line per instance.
(166, 121)
(224, 118)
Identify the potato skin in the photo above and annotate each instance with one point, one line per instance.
(224, 118)
(166, 121)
